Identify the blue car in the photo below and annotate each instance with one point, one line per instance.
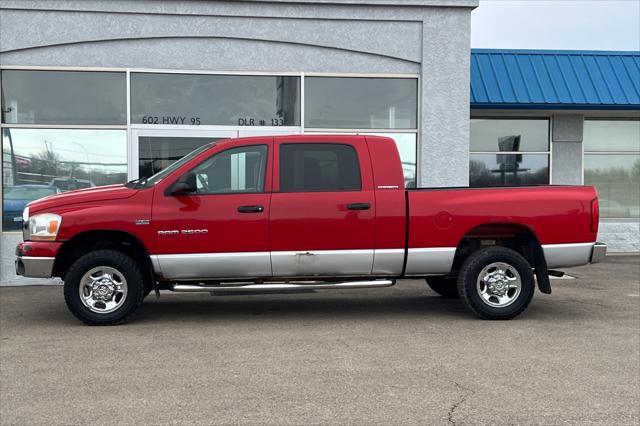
(16, 199)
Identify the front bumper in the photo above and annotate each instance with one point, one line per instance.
(598, 252)
(36, 259)
(35, 267)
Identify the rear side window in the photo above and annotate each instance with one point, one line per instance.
(319, 167)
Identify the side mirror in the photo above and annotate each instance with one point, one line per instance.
(185, 185)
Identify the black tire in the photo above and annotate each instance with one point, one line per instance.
(125, 266)
(444, 286)
(470, 272)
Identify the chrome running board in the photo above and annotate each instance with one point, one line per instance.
(252, 287)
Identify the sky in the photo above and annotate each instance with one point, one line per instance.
(559, 24)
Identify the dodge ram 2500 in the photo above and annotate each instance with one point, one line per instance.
(303, 212)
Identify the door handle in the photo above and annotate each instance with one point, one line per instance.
(250, 209)
(359, 206)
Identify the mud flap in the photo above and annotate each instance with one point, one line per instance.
(156, 288)
(542, 273)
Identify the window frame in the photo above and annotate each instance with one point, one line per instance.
(548, 152)
(353, 148)
(586, 153)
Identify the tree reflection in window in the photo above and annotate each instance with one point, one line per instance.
(58, 159)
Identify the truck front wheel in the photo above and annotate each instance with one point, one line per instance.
(104, 287)
(496, 283)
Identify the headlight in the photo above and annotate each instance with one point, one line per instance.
(44, 227)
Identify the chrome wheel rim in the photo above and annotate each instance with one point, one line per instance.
(499, 284)
(103, 289)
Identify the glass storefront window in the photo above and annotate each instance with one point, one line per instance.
(40, 162)
(612, 135)
(494, 135)
(612, 165)
(508, 152)
(64, 97)
(230, 100)
(508, 169)
(407, 147)
(361, 103)
(617, 179)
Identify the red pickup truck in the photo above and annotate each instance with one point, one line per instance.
(303, 212)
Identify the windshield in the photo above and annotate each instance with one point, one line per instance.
(169, 169)
(28, 193)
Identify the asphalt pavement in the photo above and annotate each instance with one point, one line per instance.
(399, 355)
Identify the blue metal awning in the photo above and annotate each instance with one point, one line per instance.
(555, 79)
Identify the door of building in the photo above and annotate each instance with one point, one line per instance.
(151, 150)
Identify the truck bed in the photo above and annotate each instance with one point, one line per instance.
(560, 218)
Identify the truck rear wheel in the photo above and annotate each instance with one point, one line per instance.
(104, 287)
(496, 283)
(444, 286)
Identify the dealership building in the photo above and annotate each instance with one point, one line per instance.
(101, 92)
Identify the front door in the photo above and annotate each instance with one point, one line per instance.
(322, 208)
(222, 229)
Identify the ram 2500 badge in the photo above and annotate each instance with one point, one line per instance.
(303, 212)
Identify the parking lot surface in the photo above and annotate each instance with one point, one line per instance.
(401, 355)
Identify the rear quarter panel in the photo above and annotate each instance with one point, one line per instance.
(555, 214)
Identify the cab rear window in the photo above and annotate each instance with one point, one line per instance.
(319, 167)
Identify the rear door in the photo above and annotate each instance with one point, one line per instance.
(322, 218)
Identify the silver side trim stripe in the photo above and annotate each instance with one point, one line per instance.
(421, 261)
(321, 262)
(565, 255)
(388, 262)
(212, 265)
(432, 260)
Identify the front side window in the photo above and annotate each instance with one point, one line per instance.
(509, 152)
(612, 165)
(319, 167)
(64, 97)
(237, 170)
(40, 162)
